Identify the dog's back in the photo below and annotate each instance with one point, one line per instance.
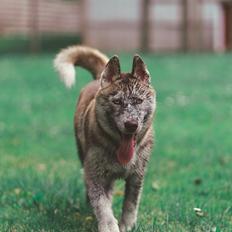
(86, 97)
(90, 59)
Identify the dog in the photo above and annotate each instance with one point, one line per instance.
(113, 130)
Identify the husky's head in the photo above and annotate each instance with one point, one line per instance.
(126, 101)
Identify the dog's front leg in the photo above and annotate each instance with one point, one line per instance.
(100, 199)
(131, 202)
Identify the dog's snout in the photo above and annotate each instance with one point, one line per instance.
(131, 126)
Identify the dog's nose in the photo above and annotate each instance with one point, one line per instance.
(131, 126)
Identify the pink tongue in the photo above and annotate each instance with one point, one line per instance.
(126, 150)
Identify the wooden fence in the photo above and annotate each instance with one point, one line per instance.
(45, 16)
(162, 25)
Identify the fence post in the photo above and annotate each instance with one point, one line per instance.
(34, 26)
(145, 28)
(230, 27)
(84, 4)
(184, 28)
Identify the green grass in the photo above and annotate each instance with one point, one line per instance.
(41, 186)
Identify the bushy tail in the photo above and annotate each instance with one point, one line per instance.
(86, 57)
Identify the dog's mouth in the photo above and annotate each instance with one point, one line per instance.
(126, 148)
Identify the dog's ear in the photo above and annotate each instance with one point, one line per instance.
(139, 69)
(111, 71)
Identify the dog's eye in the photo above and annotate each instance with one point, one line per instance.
(117, 101)
(137, 101)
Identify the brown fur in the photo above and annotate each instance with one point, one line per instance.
(108, 149)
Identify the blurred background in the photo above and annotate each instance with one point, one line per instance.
(186, 45)
(149, 25)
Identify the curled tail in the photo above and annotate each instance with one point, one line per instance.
(88, 58)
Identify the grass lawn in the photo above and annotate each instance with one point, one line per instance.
(41, 186)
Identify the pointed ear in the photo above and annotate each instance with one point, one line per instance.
(111, 71)
(139, 69)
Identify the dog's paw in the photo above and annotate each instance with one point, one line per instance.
(125, 228)
(127, 225)
(122, 227)
(108, 226)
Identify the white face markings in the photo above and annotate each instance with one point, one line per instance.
(131, 99)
